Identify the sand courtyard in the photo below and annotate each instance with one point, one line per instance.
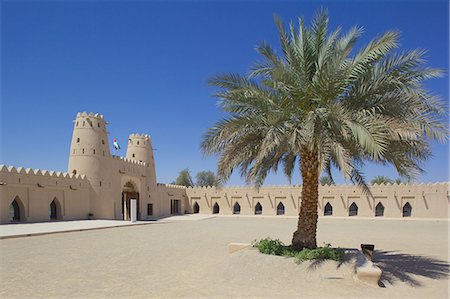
(190, 259)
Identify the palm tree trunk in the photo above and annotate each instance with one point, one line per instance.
(305, 236)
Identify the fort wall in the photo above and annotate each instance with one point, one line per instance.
(34, 190)
(392, 201)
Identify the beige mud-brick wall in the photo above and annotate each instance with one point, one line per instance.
(36, 189)
(427, 200)
(167, 193)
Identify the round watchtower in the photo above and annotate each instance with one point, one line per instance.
(140, 148)
(89, 150)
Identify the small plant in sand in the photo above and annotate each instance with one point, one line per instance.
(276, 247)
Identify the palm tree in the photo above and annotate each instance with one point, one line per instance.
(319, 105)
(326, 180)
(381, 179)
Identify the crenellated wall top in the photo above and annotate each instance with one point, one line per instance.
(171, 186)
(140, 136)
(343, 186)
(40, 172)
(129, 161)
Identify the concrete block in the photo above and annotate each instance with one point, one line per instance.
(366, 271)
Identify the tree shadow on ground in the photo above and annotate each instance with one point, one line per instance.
(404, 267)
(397, 266)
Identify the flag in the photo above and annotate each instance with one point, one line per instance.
(116, 145)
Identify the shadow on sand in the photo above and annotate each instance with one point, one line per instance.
(398, 266)
(404, 267)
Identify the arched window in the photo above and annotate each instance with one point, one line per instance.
(328, 210)
(74, 171)
(93, 151)
(216, 208)
(133, 155)
(82, 151)
(54, 210)
(138, 142)
(78, 140)
(407, 210)
(196, 208)
(98, 125)
(236, 208)
(353, 210)
(16, 210)
(379, 210)
(258, 209)
(280, 209)
(103, 141)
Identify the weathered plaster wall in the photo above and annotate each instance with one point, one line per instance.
(36, 189)
(426, 200)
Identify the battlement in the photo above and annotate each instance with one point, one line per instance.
(130, 161)
(41, 172)
(323, 187)
(140, 136)
(171, 186)
(90, 114)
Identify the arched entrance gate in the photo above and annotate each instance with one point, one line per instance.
(129, 191)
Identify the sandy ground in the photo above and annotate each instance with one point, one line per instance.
(190, 259)
(31, 229)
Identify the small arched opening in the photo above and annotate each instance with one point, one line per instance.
(280, 209)
(379, 210)
(236, 208)
(196, 208)
(353, 210)
(16, 210)
(258, 209)
(407, 210)
(54, 210)
(216, 208)
(328, 210)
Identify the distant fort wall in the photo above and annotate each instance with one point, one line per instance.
(389, 201)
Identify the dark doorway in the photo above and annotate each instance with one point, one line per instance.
(379, 210)
(216, 208)
(14, 211)
(328, 210)
(258, 209)
(196, 208)
(236, 208)
(353, 210)
(53, 210)
(280, 209)
(407, 210)
(175, 207)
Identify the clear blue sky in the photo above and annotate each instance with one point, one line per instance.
(144, 65)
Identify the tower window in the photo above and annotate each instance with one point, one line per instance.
(133, 155)
(103, 141)
(93, 151)
(74, 171)
(98, 125)
(138, 143)
(78, 140)
(100, 183)
(84, 123)
(82, 151)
